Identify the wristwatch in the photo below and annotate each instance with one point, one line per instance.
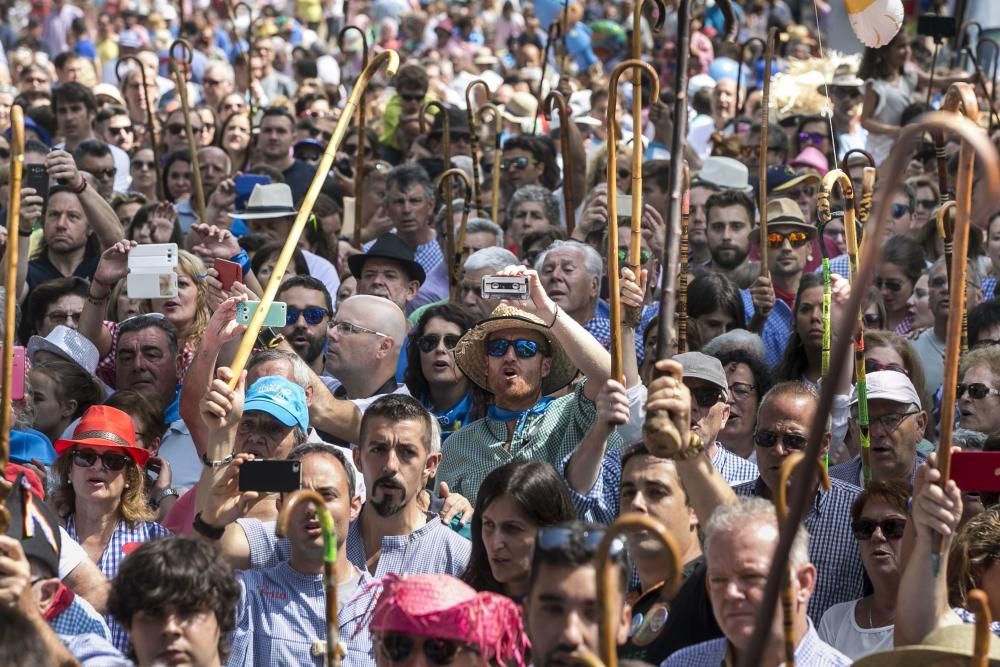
(216, 464)
(164, 494)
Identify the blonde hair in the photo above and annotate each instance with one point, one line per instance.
(191, 266)
(132, 506)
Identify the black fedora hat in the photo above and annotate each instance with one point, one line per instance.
(458, 122)
(388, 246)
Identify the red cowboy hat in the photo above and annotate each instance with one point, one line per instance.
(104, 426)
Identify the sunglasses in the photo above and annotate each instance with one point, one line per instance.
(644, 256)
(517, 163)
(411, 98)
(429, 342)
(977, 391)
(706, 397)
(872, 320)
(799, 193)
(524, 349)
(926, 204)
(789, 441)
(891, 284)
(125, 129)
(892, 529)
(85, 458)
(873, 366)
(313, 314)
(814, 138)
(899, 210)
(846, 92)
(398, 647)
(550, 538)
(795, 239)
(175, 128)
(104, 173)
(143, 164)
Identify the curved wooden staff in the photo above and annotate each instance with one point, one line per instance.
(10, 302)
(359, 159)
(637, 125)
(993, 85)
(607, 579)
(614, 294)
(863, 203)
(965, 41)
(741, 106)
(557, 100)
(251, 96)
(391, 60)
(154, 144)
(490, 108)
(975, 141)
(682, 279)
(555, 34)
(180, 67)
(781, 505)
(446, 127)
(474, 140)
(453, 250)
(979, 602)
(233, 11)
(981, 80)
(772, 38)
(334, 652)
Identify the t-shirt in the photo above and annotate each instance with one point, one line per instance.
(647, 640)
(839, 628)
(299, 177)
(691, 621)
(42, 270)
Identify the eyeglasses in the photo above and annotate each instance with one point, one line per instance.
(769, 439)
(739, 391)
(175, 128)
(706, 397)
(429, 342)
(344, 328)
(926, 204)
(977, 391)
(795, 239)
(892, 529)
(524, 349)
(85, 458)
(398, 647)
(891, 284)
(814, 138)
(873, 366)
(143, 164)
(891, 421)
(313, 314)
(518, 163)
(799, 193)
(644, 256)
(899, 210)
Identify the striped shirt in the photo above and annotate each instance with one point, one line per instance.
(811, 651)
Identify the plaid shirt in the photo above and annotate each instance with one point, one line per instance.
(473, 452)
(989, 287)
(282, 616)
(832, 546)
(734, 468)
(80, 618)
(850, 471)
(92, 650)
(777, 329)
(111, 559)
(811, 651)
(602, 318)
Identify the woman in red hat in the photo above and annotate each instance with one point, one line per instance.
(100, 496)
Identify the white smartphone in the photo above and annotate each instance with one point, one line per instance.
(276, 314)
(624, 206)
(151, 272)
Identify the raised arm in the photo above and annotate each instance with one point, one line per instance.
(32, 206)
(112, 267)
(101, 217)
(584, 464)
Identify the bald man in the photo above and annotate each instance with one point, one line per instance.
(216, 166)
(366, 336)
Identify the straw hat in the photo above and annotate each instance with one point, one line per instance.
(951, 641)
(471, 350)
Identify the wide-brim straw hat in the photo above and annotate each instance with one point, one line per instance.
(948, 643)
(470, 353)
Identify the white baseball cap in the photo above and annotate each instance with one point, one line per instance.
(889, 386)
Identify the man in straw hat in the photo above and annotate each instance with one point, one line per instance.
(522, 356)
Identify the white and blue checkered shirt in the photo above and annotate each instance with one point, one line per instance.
(80, 618)
(811, 651)
(779, 326)
(92, 650)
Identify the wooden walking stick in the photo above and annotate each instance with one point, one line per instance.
(180, 68)
(981, 80)
(554, 34)
(682, 279)
(556, 99)
(606, 577)
(614, 294)
(446, 141)
(154, 143)
(251, 96)
(661, 15)
(334, 650)
(741, 106)
(474, 140)
(863, 204)
(979, 602)
(965, 41)
(359, 159)
(989, 41)
(802, 495)
(10, 302)
(772, 37)
(495, 174)
(453, 250)
(391, 59)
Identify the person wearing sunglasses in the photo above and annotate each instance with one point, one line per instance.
(978, 397)
(143, 173)
(521, 164)
(814, 131)
(845, 92)
(411, 84)
(100, 495)
(173, 135)
(308, 311)
(217, 81)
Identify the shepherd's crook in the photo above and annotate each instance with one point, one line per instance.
(180, 69)
(556, 99)
(453, 250)
(150, 118)
(474, 140)
(359, 159)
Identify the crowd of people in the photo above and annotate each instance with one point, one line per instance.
(472, 447)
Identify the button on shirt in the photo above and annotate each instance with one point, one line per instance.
(778, 327)
(811, 651)
(832, 546)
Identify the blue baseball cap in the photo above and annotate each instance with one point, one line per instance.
(31, 444)
(282, 399)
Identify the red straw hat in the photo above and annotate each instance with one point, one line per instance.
(104, 426)
(441, 606)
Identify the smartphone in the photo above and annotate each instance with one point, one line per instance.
(279, 476)
(936, 27)
(36, 176)
(151, 271)
(343, 165)
(976, 471)
(244, 187)
(276, 315)
(624, 206)
(229, 272)
(17, 374)
(505, 287)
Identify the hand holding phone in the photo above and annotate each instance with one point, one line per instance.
(151, 272)
(276, 316)
(229, 272)
(270, 476)
(36, 177)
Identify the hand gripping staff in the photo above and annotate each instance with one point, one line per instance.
(975, 142)
(10, 302)
(453, 250)
(180, 68)
(334, 651)
(391, 58)
(359, 159)
(474, 140)
(557, 100)
(614, 294)
(154, 144)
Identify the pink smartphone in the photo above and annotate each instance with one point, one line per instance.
(17, 374)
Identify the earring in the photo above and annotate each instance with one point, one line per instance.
(126, 486)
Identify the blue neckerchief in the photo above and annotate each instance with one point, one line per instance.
(452, 419)
(499, 414)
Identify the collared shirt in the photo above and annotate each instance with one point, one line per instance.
(833, 548)
(111, 559)
(852, 472)
(603, 313)
(80, 618)
(811, 651)
(734, 468)
(473, 452)
(92, 650)
(281, 618)
(989, 288)
(777, 329)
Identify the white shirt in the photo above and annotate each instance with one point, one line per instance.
(839, 629)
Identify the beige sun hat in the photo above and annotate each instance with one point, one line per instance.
(950, 642)
(470, 353)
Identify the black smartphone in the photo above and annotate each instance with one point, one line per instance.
(37, 177)
(343, 165)
(936, 27)
(278, 476)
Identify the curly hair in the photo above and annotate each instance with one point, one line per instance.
(132, 506)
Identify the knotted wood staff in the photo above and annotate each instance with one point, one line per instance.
(979, 602)
(555, 34)
(555, 99)
(180, 67)
(989, 41)
(682, 279)
(788, 466)
(10, 303)
(802, 494)
(154, 143)
(607, 584)
(863, 204)
(359, 159)
(454, 250)
(741, 106)
(637, 124)
(486, 109)
(446, 139)
(470, 111)
(334, 650)
(765, 109)
(391, 60)
(614, 293)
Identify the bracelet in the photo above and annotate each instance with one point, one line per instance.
(211, 532)
(97, 300)
(243, 259)
(83, 186)
(555, 317)
(216, 464)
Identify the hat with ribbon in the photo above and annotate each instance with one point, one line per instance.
(388, 246)
(68, 344)
(271, 200)
(520, 108)
(105, 427)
